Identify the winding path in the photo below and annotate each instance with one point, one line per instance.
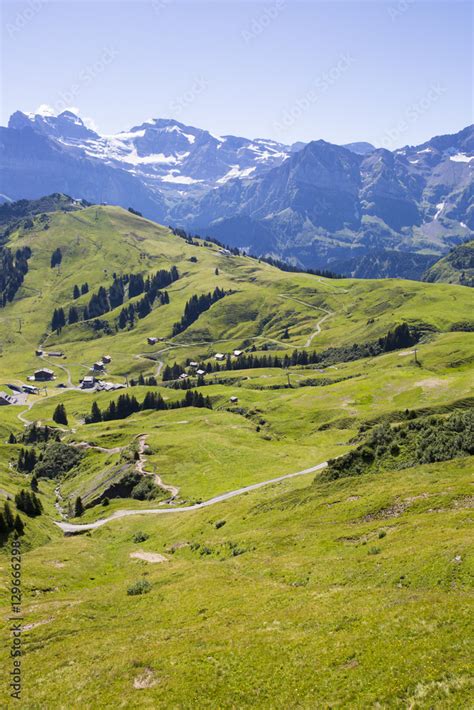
(71, 529)
(320, 321)
(140, 467)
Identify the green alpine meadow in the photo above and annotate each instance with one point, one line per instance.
(226, 482)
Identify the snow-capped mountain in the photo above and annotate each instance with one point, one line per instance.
(163, 152)
(318, 204)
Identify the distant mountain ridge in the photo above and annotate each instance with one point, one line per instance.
(316, 204)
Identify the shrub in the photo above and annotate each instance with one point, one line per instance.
(143, 586)
(220, 524)
(146, 489)
(140, 536)
(374, 551)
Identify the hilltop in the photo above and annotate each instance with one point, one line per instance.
(216, 371)
(457, 267)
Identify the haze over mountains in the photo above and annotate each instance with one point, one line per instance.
(355, 208)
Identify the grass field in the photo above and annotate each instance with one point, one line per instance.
(303, 594)
(344, 595)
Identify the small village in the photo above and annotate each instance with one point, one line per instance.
(95, 382)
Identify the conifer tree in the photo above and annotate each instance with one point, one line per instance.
(18, 525)
(8, 515)
(59, 415)
(78, 507)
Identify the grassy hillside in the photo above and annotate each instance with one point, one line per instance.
(350, 594)
(457, 267)
(350, 589)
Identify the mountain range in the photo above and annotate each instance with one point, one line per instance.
(362, 210)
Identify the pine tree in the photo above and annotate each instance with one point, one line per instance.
(56, 257)
(18, 525)
(78, 507)
(8, 515)
(75, 292)
(59, 415)
(73, 315)
(34, 483)
(12, 438)
(96, 414)
(58, 320)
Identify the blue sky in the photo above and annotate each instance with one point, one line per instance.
(390, 72)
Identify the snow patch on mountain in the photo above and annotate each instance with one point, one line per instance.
(461, 158)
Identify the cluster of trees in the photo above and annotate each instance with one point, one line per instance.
(128, 404)
(188, 384)
(148, 381)
(39, 434)
(172, 372)
(57, 459)
(401, 337)
(107, 299)
(195, 306)
(135, 485)
(9, 522)
(191, 239)
(29, 503)
(12, 272)
(58, 321)
(27, 460)
(78, 291)
(285, 266)
(56, 257)
(423, 440)
(141, 309)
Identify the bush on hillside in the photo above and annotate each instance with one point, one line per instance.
(420, 441)
(143, 586)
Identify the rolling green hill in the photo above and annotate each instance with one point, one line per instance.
(457, 267)
(319, 590)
